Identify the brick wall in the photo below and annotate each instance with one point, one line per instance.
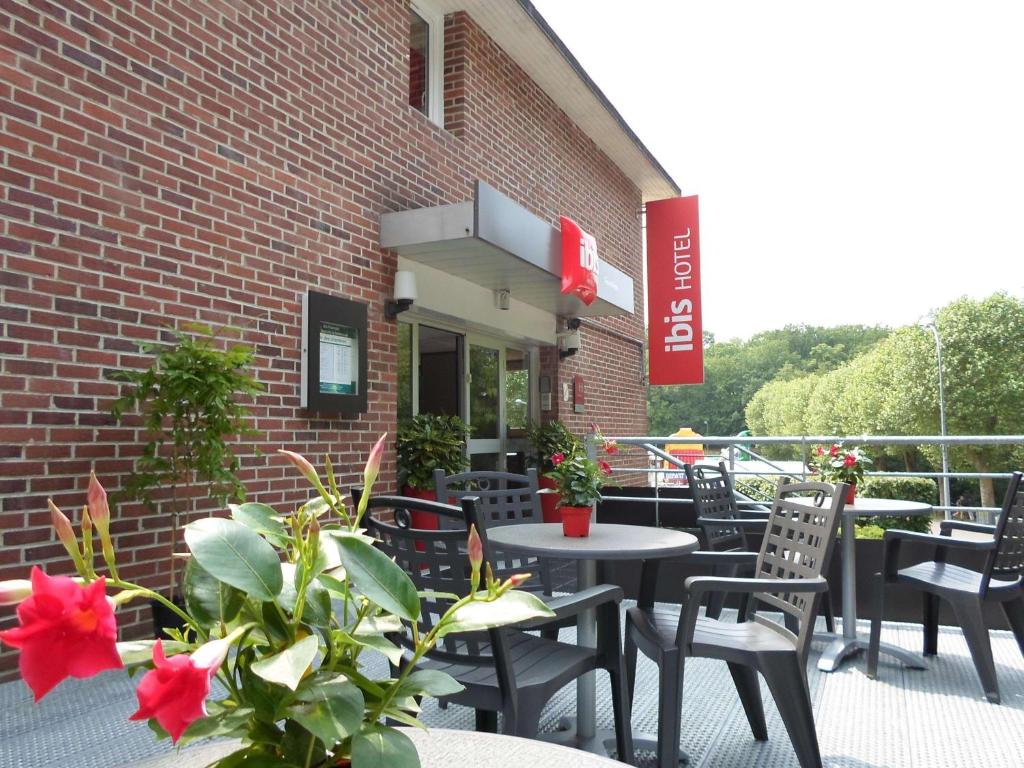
(167, 162)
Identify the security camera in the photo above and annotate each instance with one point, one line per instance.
(573, 323)
(568, 344)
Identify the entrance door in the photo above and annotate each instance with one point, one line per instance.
(484, 380)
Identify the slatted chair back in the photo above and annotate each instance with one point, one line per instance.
(713, 497)
(798, 543)
(436, 561)
(1006, 563)
(503, 498)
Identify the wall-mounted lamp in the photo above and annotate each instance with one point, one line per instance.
(404, 296)
(569, 342)
(503, 299)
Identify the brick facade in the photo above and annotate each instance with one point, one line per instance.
(167, 162)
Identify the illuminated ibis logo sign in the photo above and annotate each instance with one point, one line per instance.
(579, 262)
(673, 292)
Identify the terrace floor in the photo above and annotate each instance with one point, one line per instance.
(935, 718)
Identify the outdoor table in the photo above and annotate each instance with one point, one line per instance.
(849, 643)
(605, 542)
(438, 748)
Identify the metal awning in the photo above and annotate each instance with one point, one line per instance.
(494, 242)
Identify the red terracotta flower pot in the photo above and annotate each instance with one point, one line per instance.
(423, 520)
(851, 493)
(575, 521)
(549, 502)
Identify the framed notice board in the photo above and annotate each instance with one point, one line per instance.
(333, 354)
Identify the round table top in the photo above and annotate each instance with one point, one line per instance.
(438, 748)
(605, 542)
(862, 507)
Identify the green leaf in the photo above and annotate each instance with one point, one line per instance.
(378, 625)
(379, 578)
(331, 711)
(259, 517)
(287, 667)
(378, 643)
(511, 608)
(317, 609)
(236, 555)
(430, 682)
(209, 600)
(403, 717)
(227, 723)
(377, 746)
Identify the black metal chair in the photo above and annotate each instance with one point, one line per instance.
(506, 670)
(503, 498)
(964, 589)
(724, 527)
(801, 531)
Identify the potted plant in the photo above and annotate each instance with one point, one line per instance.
(547, 440)
(281, 609)
(426, 442)
(578, 481)
(188, 398)
(836, 464)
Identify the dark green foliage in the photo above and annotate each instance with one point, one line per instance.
(548, 439)
(921, 489)
(188, 400)
(735, 370)
(430, 441)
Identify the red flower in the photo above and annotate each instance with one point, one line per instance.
(65, 630)
(605, 467)
(175, 691)
(611, 447)
(821, 451)
(849, 460)
(833, 450)
(557, 459)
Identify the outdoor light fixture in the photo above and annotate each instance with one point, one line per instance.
(405, 294)
(503, 299)
(569, 342)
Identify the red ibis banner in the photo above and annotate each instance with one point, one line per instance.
(579, 262)
(673, 292)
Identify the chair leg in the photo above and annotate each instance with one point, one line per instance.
(930, 619)
(486, 721)
(830, 614)
(621, 710)
(972, 624)
(670, 709)
(785, 678)
(629, 655)
(747, 686)
(876, 630)
(716, 600)
(1014, 610)
(549, 634)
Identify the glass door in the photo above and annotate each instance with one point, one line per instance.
(484, 374)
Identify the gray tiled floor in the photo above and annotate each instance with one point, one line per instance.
(932, 719)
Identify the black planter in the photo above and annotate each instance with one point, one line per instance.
(164, 618)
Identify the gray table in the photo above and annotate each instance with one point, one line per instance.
(605, 542)
(849, 643)
(438, 748)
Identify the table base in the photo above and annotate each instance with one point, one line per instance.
(840, 648)
(603, 741)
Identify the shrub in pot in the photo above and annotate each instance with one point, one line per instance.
(188, 399)
(547, 440)
(426, 442)
(578, 481)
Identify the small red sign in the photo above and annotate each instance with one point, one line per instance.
(579, 262)
(579, 395)
(673, 292)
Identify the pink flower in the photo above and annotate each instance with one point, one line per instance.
(557, 458)
(476, 549)
(302, 464)
(65, 630)
(611, 447)
(372, 468)
(849, 460)
(821, 451)
(606, 468)
(99, 510)
(833, 450)
(175, 691)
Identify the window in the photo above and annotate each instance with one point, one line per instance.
(426, 60)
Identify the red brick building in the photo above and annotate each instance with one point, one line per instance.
(171, 161)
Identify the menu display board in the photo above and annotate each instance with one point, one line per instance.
(333, 354)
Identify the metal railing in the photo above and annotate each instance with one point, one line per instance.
(662, 464)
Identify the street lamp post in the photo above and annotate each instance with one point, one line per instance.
(942, 422)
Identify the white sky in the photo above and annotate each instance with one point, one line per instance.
(857, 162)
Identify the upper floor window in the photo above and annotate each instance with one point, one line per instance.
(426, 60)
